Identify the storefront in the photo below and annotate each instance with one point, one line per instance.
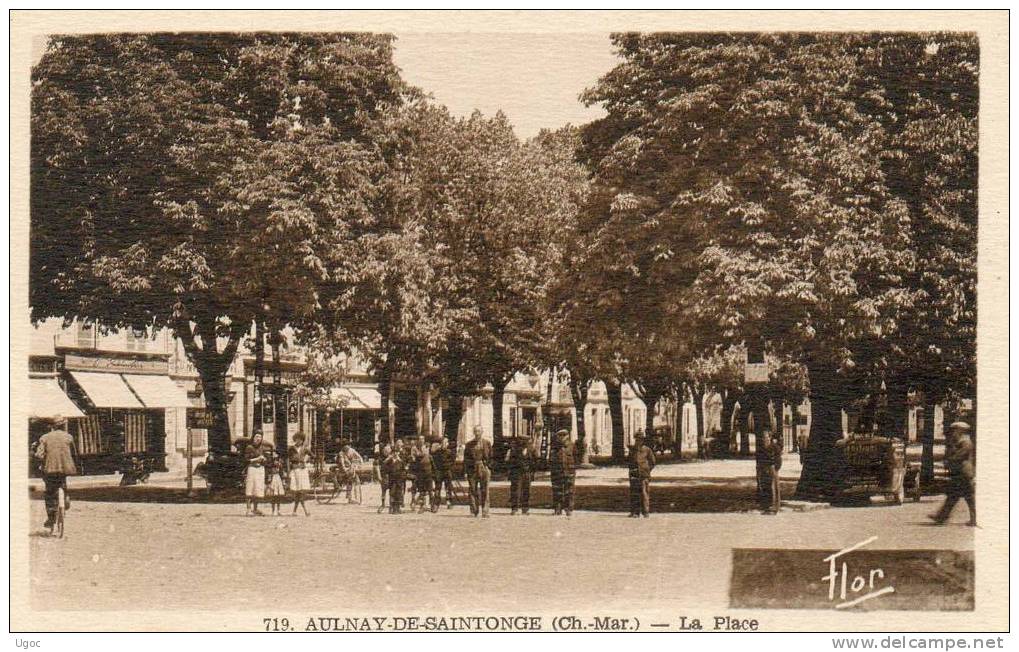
(124, 401)
(356, 421)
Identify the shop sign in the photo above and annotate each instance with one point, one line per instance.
(74, 362)
(200, 418)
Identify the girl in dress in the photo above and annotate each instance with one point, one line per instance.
(274, 487)
(299, 456)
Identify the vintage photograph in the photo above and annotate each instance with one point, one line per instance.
(344, 328)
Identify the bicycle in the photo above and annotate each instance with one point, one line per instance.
(324, 486)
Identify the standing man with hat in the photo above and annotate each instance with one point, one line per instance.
(962, 474)
(642, 461)
(478, 465)
(520, 465)
(564, 473)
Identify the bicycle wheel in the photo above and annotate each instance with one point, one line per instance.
(324, 489)
(58, 525)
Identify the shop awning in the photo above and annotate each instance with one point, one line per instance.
(106, 390)
(47, 400)
(358, 398)
(157, 391)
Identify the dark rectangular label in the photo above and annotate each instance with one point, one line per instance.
(852, 579)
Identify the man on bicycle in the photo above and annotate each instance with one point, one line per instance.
(348, 463)
(56, 455)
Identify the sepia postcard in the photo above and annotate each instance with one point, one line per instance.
(510, 321)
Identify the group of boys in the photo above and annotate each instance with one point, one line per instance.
(428, 465)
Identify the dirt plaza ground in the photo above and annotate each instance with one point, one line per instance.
(129, 554)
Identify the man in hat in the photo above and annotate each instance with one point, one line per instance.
(642, 461)
(520, 466)
(55, 452)
(442, 461)
(769, 461)
(478, 465)
(395, 468)
(424, 475)
(564, 473)
(962, 474)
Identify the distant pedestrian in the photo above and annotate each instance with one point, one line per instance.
(520, 460)
(55, 452)
(424, 476)
(961, 474)
(769, 461)
(381, 472)
(274, 489)
(564, 473)
(642, 462)
(478, 465)
(396, 468)
(254, 475)
(300, 483)
(443, 459)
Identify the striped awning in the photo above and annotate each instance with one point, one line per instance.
(358, 398)
(157, 391)
(47, 401)
(107, 390)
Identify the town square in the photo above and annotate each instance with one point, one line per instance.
(619, 330)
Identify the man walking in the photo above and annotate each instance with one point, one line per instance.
(55, 452)
(769, 461)
(564, 473)
(520, 465)
(442, 461)
(642, 461)
(478, 465)
(962, 474)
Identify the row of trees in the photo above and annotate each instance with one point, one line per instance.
(812, 195)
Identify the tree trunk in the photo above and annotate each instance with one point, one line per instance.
(897, 408)
(927, 439)
(614, 392)
(794, 416)
(728, 407)
(214, 389)
(578, 391)
(451, 418)
(650, 401)
(498, 389)
(385, 423)
(258, 395)
(698, 397)
(498, 437)
(822, 466)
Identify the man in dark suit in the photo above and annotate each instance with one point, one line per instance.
(564, 473)
(55, 452)
(478, 466)
(520, 466)
(642, 461)
(962, 474)
(769, 461)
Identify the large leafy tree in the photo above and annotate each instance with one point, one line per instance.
(202, 182)
(485, 219)
(750, 154)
